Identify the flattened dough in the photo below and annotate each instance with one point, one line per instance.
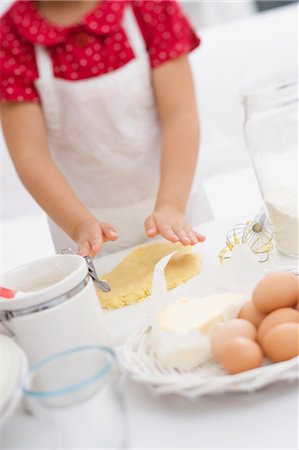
(131, 280)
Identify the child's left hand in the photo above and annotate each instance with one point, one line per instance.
(170, 223)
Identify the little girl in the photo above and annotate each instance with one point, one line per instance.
(99, 115)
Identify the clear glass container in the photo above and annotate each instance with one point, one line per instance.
(75, 400)
(271, 131)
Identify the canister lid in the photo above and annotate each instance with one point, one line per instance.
(13, 364)
(42, 280)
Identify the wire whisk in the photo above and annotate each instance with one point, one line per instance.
(256, 234)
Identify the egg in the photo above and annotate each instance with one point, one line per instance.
(228, 330)
(282, 342)
(239, 354)
(250, 312)
(282, 315)
(297, 306)
(277, 290)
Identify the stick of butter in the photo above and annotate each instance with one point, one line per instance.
(197, 314)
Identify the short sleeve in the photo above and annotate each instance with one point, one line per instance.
(17, 65)
(165, 29)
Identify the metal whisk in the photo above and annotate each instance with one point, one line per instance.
(255, 234)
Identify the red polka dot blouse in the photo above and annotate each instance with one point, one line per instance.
(96, 45)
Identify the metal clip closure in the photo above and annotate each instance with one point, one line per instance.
(100, 284)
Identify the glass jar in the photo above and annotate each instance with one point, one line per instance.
(271, 131)
(73, 400)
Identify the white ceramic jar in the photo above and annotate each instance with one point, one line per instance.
(55, 307)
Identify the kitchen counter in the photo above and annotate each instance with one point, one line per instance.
(266, 419)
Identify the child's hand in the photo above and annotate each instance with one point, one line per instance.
(91, 235)
(170, 223)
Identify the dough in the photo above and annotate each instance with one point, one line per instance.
(131, 280)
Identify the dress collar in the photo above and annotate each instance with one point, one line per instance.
(103, 20)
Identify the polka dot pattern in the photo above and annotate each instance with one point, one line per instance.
(166, 31)
(96, 45)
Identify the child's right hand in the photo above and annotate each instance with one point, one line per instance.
(91, 234)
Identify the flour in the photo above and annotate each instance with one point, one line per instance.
(282, 204)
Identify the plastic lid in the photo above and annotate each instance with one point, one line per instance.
(13, 363)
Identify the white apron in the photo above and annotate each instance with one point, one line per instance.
(105, 137)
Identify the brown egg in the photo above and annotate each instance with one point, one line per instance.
(239, 354)
(282, 315)
(250, 312)
(277, 290)
(228, 330)
(297, 306)
(282, 342)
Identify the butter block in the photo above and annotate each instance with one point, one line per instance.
(181, 351)
(197, 314)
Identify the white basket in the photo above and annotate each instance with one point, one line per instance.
(140, 361)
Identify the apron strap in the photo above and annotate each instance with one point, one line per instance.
(44, 62)
(134, 33)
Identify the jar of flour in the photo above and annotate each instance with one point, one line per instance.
(271, 130)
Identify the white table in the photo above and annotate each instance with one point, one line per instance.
(267, 419)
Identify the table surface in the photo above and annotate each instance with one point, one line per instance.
(266, 419)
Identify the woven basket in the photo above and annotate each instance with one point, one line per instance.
(140, 362)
